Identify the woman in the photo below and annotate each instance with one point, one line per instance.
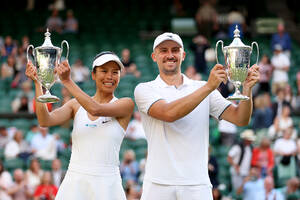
(99, 127)
(263, 157)
(6, 182)
(46, 190)
(34, 174)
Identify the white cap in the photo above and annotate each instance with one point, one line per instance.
(105, 57)
(248, 134)
(167, 36)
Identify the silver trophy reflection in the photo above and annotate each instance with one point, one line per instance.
(46, 57)
(237, 62)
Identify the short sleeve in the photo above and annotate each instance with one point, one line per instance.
(145, 97)
(217, 104)
(234, 151)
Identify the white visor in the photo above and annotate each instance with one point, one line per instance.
(167, 36)
(101, 60)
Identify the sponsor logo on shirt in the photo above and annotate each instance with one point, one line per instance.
(91, 125)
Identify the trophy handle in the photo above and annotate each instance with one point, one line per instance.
(67, 44)
(257, 50)
(29, 46)
(216, 50)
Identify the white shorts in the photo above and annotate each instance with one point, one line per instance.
(156, 191)
(77, 186)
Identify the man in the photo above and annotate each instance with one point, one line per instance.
(44, 144)
(252, 185)
(239, 157)
(175, 114)
(20, 189)
(281, 65)
(57, 173)
(282, 38)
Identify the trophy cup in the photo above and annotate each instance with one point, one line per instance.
(46, 57)
(237, 61)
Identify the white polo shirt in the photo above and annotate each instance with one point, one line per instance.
(178, 151)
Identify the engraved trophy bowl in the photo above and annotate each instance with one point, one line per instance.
(46, 57)
(237, 62)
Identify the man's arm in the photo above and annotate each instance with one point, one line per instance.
(179, 108)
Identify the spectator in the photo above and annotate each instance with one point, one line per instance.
(291, 191)
(263, 158)
(282, 123)
(281, 65)
(71, 24)
(239, 157)
(251, 185)
(79, 73)
(285, 148)
(207, 19)
(133, 192)
(228, 132)
(235, 17)
(279, 102)
(263, 113)
(129, 168)
(57, 5)
(34, 129)
(54, 22)
(142, 169)
(135, 128)
(199, 45)
(17, 147)
(213, 170)
(9, 48)
(19, 190)
(289, 96)
(57, 173)
(130, 66)
(20, 77)
(25, 43)
(4, 137)
(265, 70)
(283, 39)
(217, 195)
(26, 93)
(269, 192)
(191, 73)
(8, 68)
(34, 174)
(46, 190)
(44, 144)
(5, 183)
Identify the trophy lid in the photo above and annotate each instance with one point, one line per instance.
(47, 42)
(237, 41)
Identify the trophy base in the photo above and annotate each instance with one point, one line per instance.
(48, 99)
(238, 97)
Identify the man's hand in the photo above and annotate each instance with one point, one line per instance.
(216, 76)
(252, 78)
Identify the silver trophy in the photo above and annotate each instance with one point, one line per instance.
(237, 62)
(46, 57)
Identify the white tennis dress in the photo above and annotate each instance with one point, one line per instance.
(93, 172)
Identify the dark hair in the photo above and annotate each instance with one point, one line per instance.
(101, 54)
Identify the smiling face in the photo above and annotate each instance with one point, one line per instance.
(107, 77)
(168, 55)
